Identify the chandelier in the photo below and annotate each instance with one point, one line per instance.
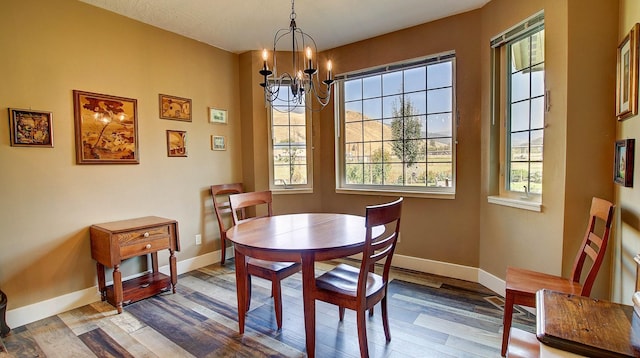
(290, 89)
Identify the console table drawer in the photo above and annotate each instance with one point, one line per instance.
(144, 247)
(127, 237)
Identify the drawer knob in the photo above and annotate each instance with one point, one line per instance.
(148, 246)
(146, 234)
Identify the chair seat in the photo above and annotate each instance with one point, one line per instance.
(272, 266)
(524, 281)
(344, 279)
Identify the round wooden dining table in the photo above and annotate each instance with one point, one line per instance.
(295, 237)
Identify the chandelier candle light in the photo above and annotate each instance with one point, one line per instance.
(304, 81)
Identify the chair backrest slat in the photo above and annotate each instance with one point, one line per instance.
(221, 204)
(239, 202)
(593, 245)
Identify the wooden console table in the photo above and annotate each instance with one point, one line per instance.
(115, 241)
(585, 326)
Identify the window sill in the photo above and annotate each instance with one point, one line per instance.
(406, 194)
(516, 203)
(278, 191)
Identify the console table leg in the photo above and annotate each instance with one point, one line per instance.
(101, 281)
(117, 287)
(4, 329)
(172, 268)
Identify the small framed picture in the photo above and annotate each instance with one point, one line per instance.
(627, 75)
(623, 170)
(175, 108)
(217, 116)
(29, 128)
(176, 143)
(218, 142)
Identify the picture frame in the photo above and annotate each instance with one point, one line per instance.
(623, 168)
(218, 142)
(627, 75)
(106, 128)
(217, 115)
(176, 143)
(174, 108)
(30, 128)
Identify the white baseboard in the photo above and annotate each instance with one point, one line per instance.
(23, 315)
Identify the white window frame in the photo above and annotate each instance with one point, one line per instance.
(500, 115)
(288, 188)
(393, 190)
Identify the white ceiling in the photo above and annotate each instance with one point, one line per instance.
(243, 25)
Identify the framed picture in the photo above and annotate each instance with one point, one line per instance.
(176, 108)
(29, 128)
(627, 75)
(218, 142)
(106, 129)
(217, 116)
(176, 143)
(623, 170)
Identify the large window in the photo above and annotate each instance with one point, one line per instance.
(519, 106)
(290, 145)
(397, 127)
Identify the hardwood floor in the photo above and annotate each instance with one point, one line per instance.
(430, 316)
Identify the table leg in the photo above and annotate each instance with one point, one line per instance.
(101, 281)
(308, 281)
(241, 288)
(117, 287)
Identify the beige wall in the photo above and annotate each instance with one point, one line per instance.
(50, 48)
(578, 138)
(627, 243)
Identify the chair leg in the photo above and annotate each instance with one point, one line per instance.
(506, 321)
(248, 292)
(385, 319)
(362, 333)
(341, 313)
(223, 250)
(276, 292)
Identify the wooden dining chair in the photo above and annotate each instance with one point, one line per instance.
(268, 270)
(220, 196)
(522, 285)
(360, 289)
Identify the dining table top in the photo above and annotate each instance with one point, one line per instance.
(301, 232)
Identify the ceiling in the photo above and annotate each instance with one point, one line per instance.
(243, 25)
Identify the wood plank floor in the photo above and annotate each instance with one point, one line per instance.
(430, 316)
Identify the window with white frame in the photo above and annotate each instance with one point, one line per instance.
(397, 127)
(519, 105)
(290, 147)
